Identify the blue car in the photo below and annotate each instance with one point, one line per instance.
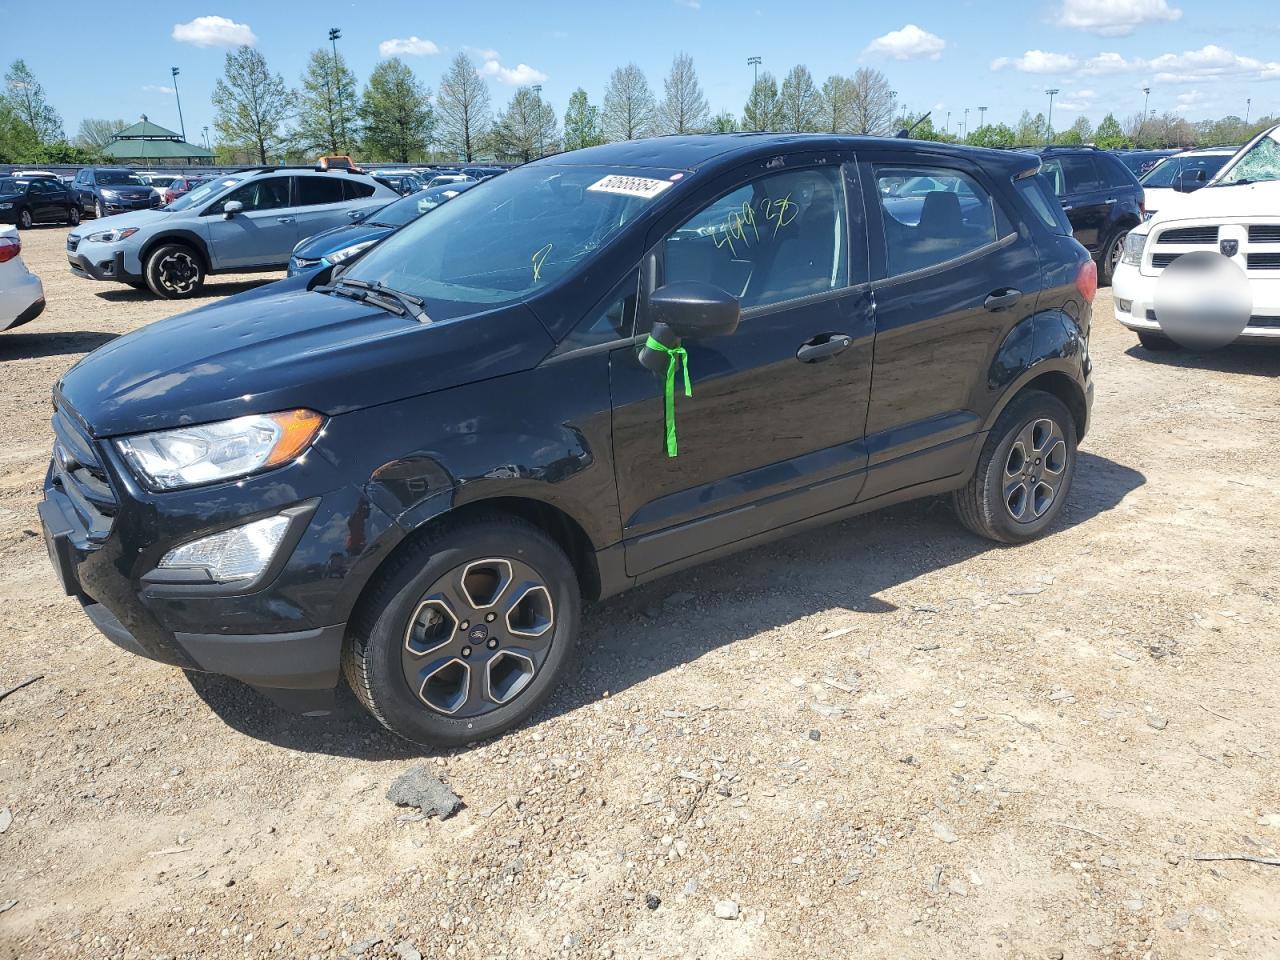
(346, 241)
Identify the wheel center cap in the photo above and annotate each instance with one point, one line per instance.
(478, 634)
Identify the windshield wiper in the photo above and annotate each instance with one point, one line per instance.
(379, 295)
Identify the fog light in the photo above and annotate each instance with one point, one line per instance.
(1124, 306)
(241, 553)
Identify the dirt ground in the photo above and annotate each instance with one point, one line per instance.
(884, 739)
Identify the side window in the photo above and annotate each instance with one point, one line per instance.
(1115, 173)
(924, 229)
(317, 190)
(616, 321)
(777, 238)
(1164, 174)
(1080, 174)
(1038, 192)
(356, 190)
(270, 193)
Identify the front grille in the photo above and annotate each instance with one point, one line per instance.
(1162, 260)
(72, 243)
(1189, 235)
(1264, 233)
(1264, 261)
(78, 472)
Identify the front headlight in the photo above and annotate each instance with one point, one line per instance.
(346, 253)
(109, 194)
(241, 553)
(1133, 245)
(6, 206)
(112, 236)
(190, 456)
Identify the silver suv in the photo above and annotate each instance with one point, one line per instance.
(242, 222)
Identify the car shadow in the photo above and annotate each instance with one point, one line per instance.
(1253, 359)
(208, 292)
(845, 566)
(29, 346)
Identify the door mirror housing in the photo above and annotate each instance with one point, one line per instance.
(357, 216)
(231, 208)
(693, 309)
(1189, 181)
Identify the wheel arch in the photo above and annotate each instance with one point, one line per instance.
(188, 238)
(1056, 382)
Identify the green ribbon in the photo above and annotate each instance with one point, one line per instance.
(675, 356)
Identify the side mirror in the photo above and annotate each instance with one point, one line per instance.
(231, 208)
(692, 309)
(1189, 181)
(356, 215)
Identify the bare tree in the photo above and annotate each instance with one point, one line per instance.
(836, 108)
(463, 108)
(26, 97)
(629, 108)
(95, 134)
(526, 129)
(252, 105)
(762, 108)
(872, 103)
(684, 108)
(799, 104)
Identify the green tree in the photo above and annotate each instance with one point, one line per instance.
(96, 134)
(526, 129)
(26, 96)
(581, 122)
(684, 108)
(993, 135)
(724, 122)
(396, 113)
(1032, 131)
(630, 111)
(251, 106)
(462, 108)
(1109, 136)
(799, 103)
(836, 106)
(18, 141)
(762, 110)
(327, 108)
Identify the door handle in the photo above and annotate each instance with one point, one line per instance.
(1068, 206)
(284, 219)
(1111, 200)
(823, 347)
(999, 300)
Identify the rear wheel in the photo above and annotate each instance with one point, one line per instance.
(24, 220)
(73, 215)
(1157, 342)
(174, 271)
(467, 633)
(1024, 471)
(1111, 258)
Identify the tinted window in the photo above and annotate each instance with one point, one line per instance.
(1163, 174)
(270, 193)
(402, 211)
(356, 189)
(1070, 174)
(1115, 173)
(777, 238)
(955, 217)
(1038, 193)
(316, 190)
(119, 178)
(613, 322)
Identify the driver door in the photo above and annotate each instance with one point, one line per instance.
(773, 432)
(262, 234)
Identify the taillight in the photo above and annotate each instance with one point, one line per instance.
(1087, 280)
(10, 247)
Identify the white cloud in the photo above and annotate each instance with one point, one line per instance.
(156, 88)
(214, 32)
(410, 47)
(909, 43)
(1208, 63)
(1037, 61)
(1076, 101)
(1192, 98)
(1115, 18)
(691, 4)
(484, 53)
(518, 76)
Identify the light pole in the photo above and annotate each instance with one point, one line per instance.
(537, 92)
(173, 72)
(335, 34)
(1052, 92)
(965, 134)
(206, 139)
(948, 123)
(1248, 103)
(1146, 99)
(982, 117)
(754, 63)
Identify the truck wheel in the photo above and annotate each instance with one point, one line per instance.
(1024, 471)
(1156, 342)
(466, 633)
(174, 271)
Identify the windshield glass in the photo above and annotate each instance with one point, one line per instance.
(202, 193)
(401, 212)
(501, 240)
(11, 185)
(118, 178)
(1162, 174)
(1260, 162)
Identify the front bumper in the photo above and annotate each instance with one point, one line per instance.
(22, 302)
(100, 265)
(1135, 297)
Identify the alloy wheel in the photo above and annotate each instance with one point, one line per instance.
(1115, 253)
(478, 637)
(1034, 470)
(73, 216)
(24, 220)
(178, 272)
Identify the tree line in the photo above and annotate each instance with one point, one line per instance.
(260, 118)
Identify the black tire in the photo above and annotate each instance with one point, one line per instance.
(984, 504)
(1111, 257)
(24, 220)
(98, 211)
(1156, 342)
(374, 656)
(174, 271)
(73, 215)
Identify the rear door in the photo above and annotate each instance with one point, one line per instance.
(262, 234)
(773, 431)
(1080, 187)
(953, 276)
(319, 204)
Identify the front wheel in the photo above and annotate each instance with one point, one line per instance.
(467, 633)
(98, 211)
(73, 216)
(24, 220)
(1024, 471)
(174, 271)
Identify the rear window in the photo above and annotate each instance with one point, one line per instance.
(317, 190)
(1037, 191)
(1114, 172)
(356, 189)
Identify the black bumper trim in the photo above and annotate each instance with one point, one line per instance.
(306, 660)
(82, 266)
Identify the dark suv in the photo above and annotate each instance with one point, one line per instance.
(1102, 199)
(104, 191)
(587, 373)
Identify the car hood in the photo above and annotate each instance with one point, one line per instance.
(281, 349)
(134, 218)
(1245, 200)
(332, 240)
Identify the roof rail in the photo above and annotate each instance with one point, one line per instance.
(314, 168)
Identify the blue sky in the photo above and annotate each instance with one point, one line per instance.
(1200, 59)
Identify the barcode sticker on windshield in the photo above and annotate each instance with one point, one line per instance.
(643, 187)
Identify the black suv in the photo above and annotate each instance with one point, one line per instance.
(104, 191)
(1102, 199)
(589, 372)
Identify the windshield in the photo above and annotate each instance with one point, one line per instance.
(503, 239)
(11, 185)
(118, 178)
(399, 213)
(1168, 171)
(1259, 162)
(202, 192)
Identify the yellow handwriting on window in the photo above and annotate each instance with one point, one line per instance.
(734, 228)
(538, 259)
(781, 212)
